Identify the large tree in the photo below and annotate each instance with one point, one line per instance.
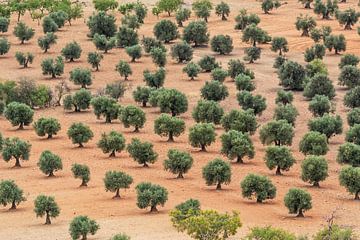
(142, 152)
(116, 180)
(202, 135)
(217, 172)
(237, 145)
(81, 226)
(279, 157)
(314, 169)
(19, 114)
(46, 205)
(112, 142)
(350, 179)
(298, 201)
(259, 187)
(49, 163)
(278, 132)
(17, 149)
(10, 193)
(166, 125)
(151, 195)
(178, 162)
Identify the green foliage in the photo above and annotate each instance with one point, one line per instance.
(219, 74)
(242, 121)
(184, 210)
(47, 126)
(279, 61)
(279, 157)
(214, 91)
(319, 105)
(298, 201)
(268, 5)
(244, 19)
(124, 69)
(192, 70)
(279, 132)
(279, 44)
(80, 100)
(126, 37)
(121, 236)
(172, 101)
(237, 145)
(349, 76)
(217, 172)
(79, 133)
(178, 162)
(47, 41)
(4, 46)
(252, 54)
(316, 66)
(182, 15)
(111, 142)
(81, 76)
(4, 24)
(142, 95)
(73, 10)
(349, 153)
(335, 232)
(150, 43)
(349, 59)
(202, 135)
(253, 34)
(168, 6)
(116, 180)
(24, 59)
(353, 117)
(258, 186)
(142, 152)
(19, 114)
(196, 32)
(305, 24)
(314, 143)
(208, 112)
(352, 98)
(336, 42)
(223, 10)
(10, 193)
(269, 233)
(105, 5)
(286, 112)
(49, 25)
(130, 21)
(326, 10)
(318, 34)
(103, 43)
(116, 89)
(81, 171)
(135, 52)
(101, 23)
(107, 107)
(49, 163)
(59, 18)
(166, 30)
(46, 205)
(158, 56)
(81, 226)
(133, 116)
(248, 101)
(53, 67)
(151, 195)
(347, 18)
(353, 134)
(155, 79)
(317, 51)
(23, 32)
(208, 63)
(71, 51)
(17, 149)
(236, 67)
(350, 179)
(314, 169)
(166, 125)
(291, 75)
(222, 44)
(94, 59)
(182, 52)
(327, 124)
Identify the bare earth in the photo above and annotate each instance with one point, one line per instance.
(116, 216)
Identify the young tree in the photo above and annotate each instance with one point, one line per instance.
(107, 107)
(352, 98)
(126, 37)
(353, 134)
(172, 101)
(111, 143)
(326, 10)
(81, 171)
(208, 63)
(202, 9)
(149, 43)
(105, 5)
(314, 143)
(336, 42)
(166, 30)
(49, 25)
(222, 44)
(252, 54)
(24, 59)
(182, 52)
(347, 18)
(116, 180)
(202, 135)
(217, 172)
(258, 186)
(279, 61)
(318, 34)
(327, 124)
(279, 157)
(292, 75)
(268, 5)
(353, 117)
(316, 67)
(286, 112)
(81, 226)
(219, 74)
(349, 60)
(158, 56)
(4, 46)
(130, 21)
(17, 149)
(298, 201)
(166, 125)
(208, 112)
(168, 6)
(349, 153)
(47, 41)
(80, 100)
(150, 195)
(350, 179)
(59, 17)
(47, 126)
(155, 79)
(101, 23)
(79, 133)
(53, 67)
(349, 76)
(182, 15)
(196, 32)
(103, 43)
(223, 10)
(10, 193)
(19, 114)
(254, 34)
(142, 152)
(242, 121)
(142, 95)
(71, 51)
(214, 91)
(116, 90)
(178, 162)
(237, 145)
(192, 70)
(279, 44)
(320, 105)
(133, 116)
(248, 101)
(314, 169)
(284, 97)
(81, 76)
(317, 51)
(94, 59)
(305, 24)
(244, 19)
(135, 52)
(4, 24)
(23, 32)
(124, 69)
(46, 206)
(278, 132)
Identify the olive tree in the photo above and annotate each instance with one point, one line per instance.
(336, 42)
(286, 112)
(79, 101)
(214, 91)
(326, 10)
(353, 134)
(252, 54)
(155, 79)
(349, 76)
(158, 56)
(116, 180)
(202, 8)
(196, 32)
(49, 163)
(166, 30)
(19, 114)
(79, 133)
(168, 6)
(222, 44)
(349, 153)
(350, 178)
(168, 126)
(124, 69)
(182, 52)
(105, 106)
(178, 162)
(23, 32)
(217, 172)
(126, 37)
(135, 52)
(103, 43)
(142, 152)
(219, 74)
(268, 5)
(320, 84)
(71, 51)
(4, 46)
(49, 25)
(182, 15)
(320, 105)
(81, 171)
(240, 120)
(112, 142)
(46, 41)
(284, 97)
(101, 23)
(253, 34)
(202, 135)
(349, 59)
(142, 95)
(279, 132)
(249, 101)
(327, 124)
(172, 101)
(292, 75)
(10, 193)
(352, 98)
(243, 19)
(81, 226)
(53, 67)
(47, 126)
(208, 112)
(46, 206)
(316, 51)
(279, 44)
(314, 169)
(4, 24)
(223, 10)
(353, 117)
(81, 76)
(348, 18)
(259, 187)
(17, 149)
(279, 157)
(192, 70)
(150, 195)
(237, 145)
(133, 116)
(298, 201)
(305, 24)
(314, 143)
(208, 63)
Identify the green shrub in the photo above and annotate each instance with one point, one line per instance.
(192, 70)
(214, 91)
(126, 37)
(166, 30)
(327, 124)
(314, 169)
(242, 121)
(71, 51)
(135, 52)
(314, 143)
(81, 171)
(208, 112)
(133, 116)
(53, 67)
(222, 44)
(103, 43)
(279, 132)
(47, 126)
(286, 112)
(124, 69)
(10, 193)
(248, 101)
(320, 105)
(19, 114)
(155, 79)
(182, 52)
(196, 32)
(101, 23)
(350, 179)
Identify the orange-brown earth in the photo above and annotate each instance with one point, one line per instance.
(116, 216)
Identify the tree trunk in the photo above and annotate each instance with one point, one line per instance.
(223, 17)
(357, 197)
(258, 200)
(53, 75)
(13, 205)
(136, 129)
(18, 18)
(203, 148)
(305, 33)
(300, 214)
(81, 145)
(218, 186)
(83, 183)
(153, 209)
(49, 136)
(180, 175)
(278, 170)
(84, 237)
(308, 5)
(171, 137)
(316, 184)
(239, 159)
(97, 67)
(145, 165)
(51, 174)
(254, 43)
(21, 126)
(48, 221)
(117, 195)
(144, 103)
(71, 59)
(280, 52)
(17, 162)
(108, 119)
(112, 154)
(348, 26)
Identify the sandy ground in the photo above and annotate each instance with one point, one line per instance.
(116, 216)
